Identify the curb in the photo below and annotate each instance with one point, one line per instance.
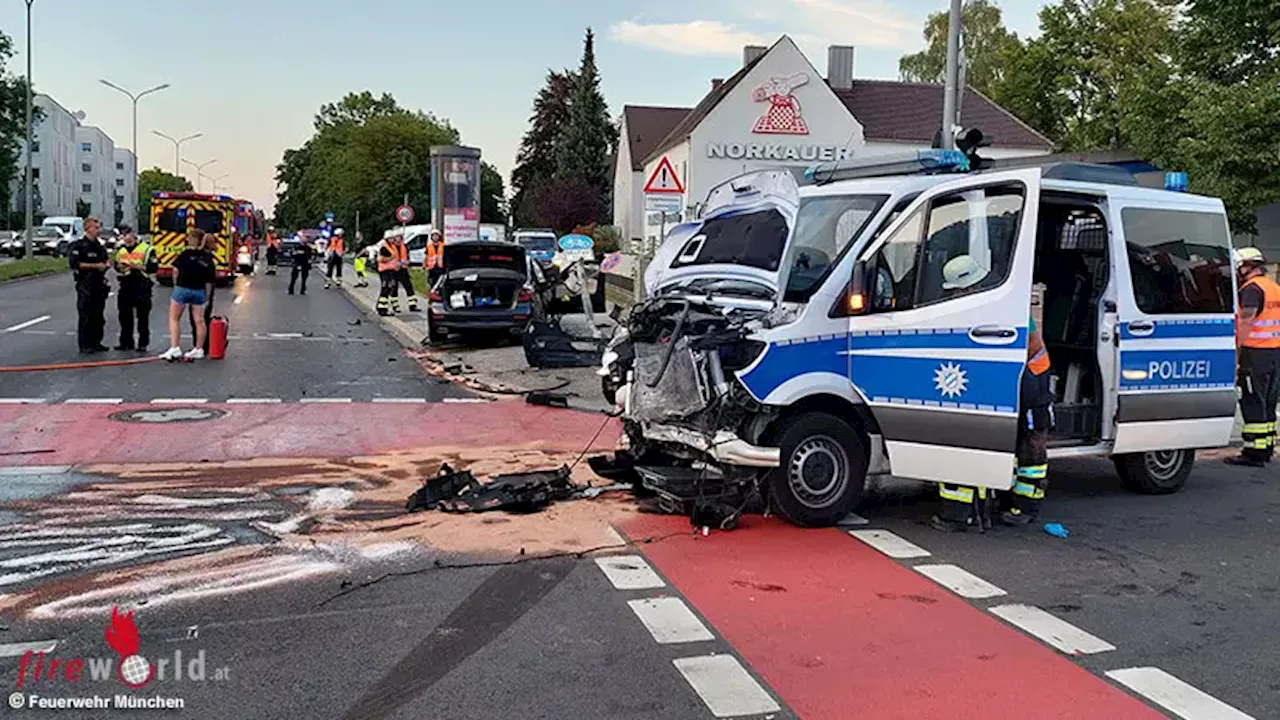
(36, 276)
(402, 331)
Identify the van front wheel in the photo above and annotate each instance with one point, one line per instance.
(1157, 472)
(822, 473)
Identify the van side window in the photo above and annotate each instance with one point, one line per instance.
(969, 243)
(1180, 261)
(171, 220)
(893, 270)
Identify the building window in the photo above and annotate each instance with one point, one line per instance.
(35, 173)
(35, 146)
(86, 167)
(86, 147)
(119, 182)
(86, 188)
(119, 166)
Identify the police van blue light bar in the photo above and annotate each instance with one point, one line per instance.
(909, 163)
(1177, 182)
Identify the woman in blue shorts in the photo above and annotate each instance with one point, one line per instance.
(192, 276)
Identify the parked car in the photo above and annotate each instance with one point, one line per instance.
(110, 239)
(49, 240)
(10, 241)
(539, 243)
(487, 287)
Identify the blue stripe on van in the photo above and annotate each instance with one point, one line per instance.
(1177, 369)
(941, 339)
(1182, 329)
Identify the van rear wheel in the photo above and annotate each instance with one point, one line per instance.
(1157, 472)
(822, 473)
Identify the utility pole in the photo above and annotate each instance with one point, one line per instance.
(29, 195)
(177, 147)
(953, 72)
(134, 98)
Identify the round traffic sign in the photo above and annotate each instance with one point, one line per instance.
(404, 214)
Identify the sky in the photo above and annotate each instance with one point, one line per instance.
(251, 74)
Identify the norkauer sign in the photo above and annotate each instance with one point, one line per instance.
(777, 151)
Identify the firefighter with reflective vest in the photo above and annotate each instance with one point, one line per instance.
(136, 264)
(433, 263)
(334, 251)
(273, 251)
(393, 257)
(1258, 375)
(964, 507)
(405, 280)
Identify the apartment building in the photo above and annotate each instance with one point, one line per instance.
(126, 188)
(53, 162)
(95, 160)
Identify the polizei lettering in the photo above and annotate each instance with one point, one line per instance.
(1184, 370)
(777, 152)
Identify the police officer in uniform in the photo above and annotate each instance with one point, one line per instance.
(964, 507)
(89, 262)
(300, 256)
(135, 264)
(1258, 338)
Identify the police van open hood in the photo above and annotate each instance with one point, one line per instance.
(739, 246)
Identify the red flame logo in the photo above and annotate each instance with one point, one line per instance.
(122, 634)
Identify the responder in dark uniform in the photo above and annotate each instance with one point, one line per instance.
(273, 251)
(135, 264)
(1258, 376)
(300, 256)
(89, 262)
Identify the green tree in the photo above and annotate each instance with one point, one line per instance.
(493, 195)
(1231, 41)
(156, 180)
(582, 153)
(987, 48)
(13, 119)
(536, 158)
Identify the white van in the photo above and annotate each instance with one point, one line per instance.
(801, 339)
(71, 228)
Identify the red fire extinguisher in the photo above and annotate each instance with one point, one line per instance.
(217, 337)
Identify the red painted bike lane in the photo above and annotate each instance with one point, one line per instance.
(84, 434)
(840, 631)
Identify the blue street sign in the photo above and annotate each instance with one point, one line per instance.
(576, 242)
(329, 216)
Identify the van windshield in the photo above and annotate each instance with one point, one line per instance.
(1179, 261)
(539, 243)
(62, 227)
(825, 228)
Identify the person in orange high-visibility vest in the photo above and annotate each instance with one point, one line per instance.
(389, 258)
(1258, 375)
(334, 250)
(403, 279)
(433, 263)
(964, 507)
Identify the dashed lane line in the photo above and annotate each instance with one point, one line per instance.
(8, 650)
(670, 621)
(463, 401)
(253, 401)
(890, 544)
(93, 401)
(629, 572)
(179, 401)
(960, 581)
(35, 470)
(22, 401)
(399, 400)
(1177, 697)
(725, 686)
(1060, 634)
(324, 400)
(27, 324)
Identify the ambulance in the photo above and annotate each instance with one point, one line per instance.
(798, 340)
(173, 214)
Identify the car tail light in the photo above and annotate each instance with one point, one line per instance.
(435, 296)
(526, 295)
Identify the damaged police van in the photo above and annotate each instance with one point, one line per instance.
(795, 341)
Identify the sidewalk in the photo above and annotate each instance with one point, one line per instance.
(491, 369)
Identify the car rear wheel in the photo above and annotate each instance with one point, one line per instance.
(823, 470)
(1158, 472)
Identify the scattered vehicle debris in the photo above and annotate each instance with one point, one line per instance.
(547, 345)
(459, 491)
(549, 399)
(446, 484)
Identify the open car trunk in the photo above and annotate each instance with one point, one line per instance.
(482, 275)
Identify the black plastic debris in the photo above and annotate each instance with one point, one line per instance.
(546, 345)
(619, 467)
(516, 492)
(549, 399)
(447, 484)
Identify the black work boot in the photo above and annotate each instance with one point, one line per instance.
(1243, 460)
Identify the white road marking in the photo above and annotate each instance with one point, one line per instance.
(8, 650)
(725, 686)
(253, 401)
(960, 581)
(399, 400)
(890, 544)
(1061, 634)
(237, 300)
(22, 401)
(93, 401)
(465, 400)
(36, 470)
(281, 336)
(179, 401)
(852, 519)
(629, 572)
(325, 400)
(27, 324)
(39, 332)
(1173, 695)
(670, 621)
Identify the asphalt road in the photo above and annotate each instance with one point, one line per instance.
(281, 346)
(1189, 582)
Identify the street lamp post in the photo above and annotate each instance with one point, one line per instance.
(30, 190)
(214, 180)
(199, 170)
(135, 99)
(177, 147)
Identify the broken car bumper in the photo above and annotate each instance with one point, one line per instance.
(724, 446)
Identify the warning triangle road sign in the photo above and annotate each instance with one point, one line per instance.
(664, 179)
